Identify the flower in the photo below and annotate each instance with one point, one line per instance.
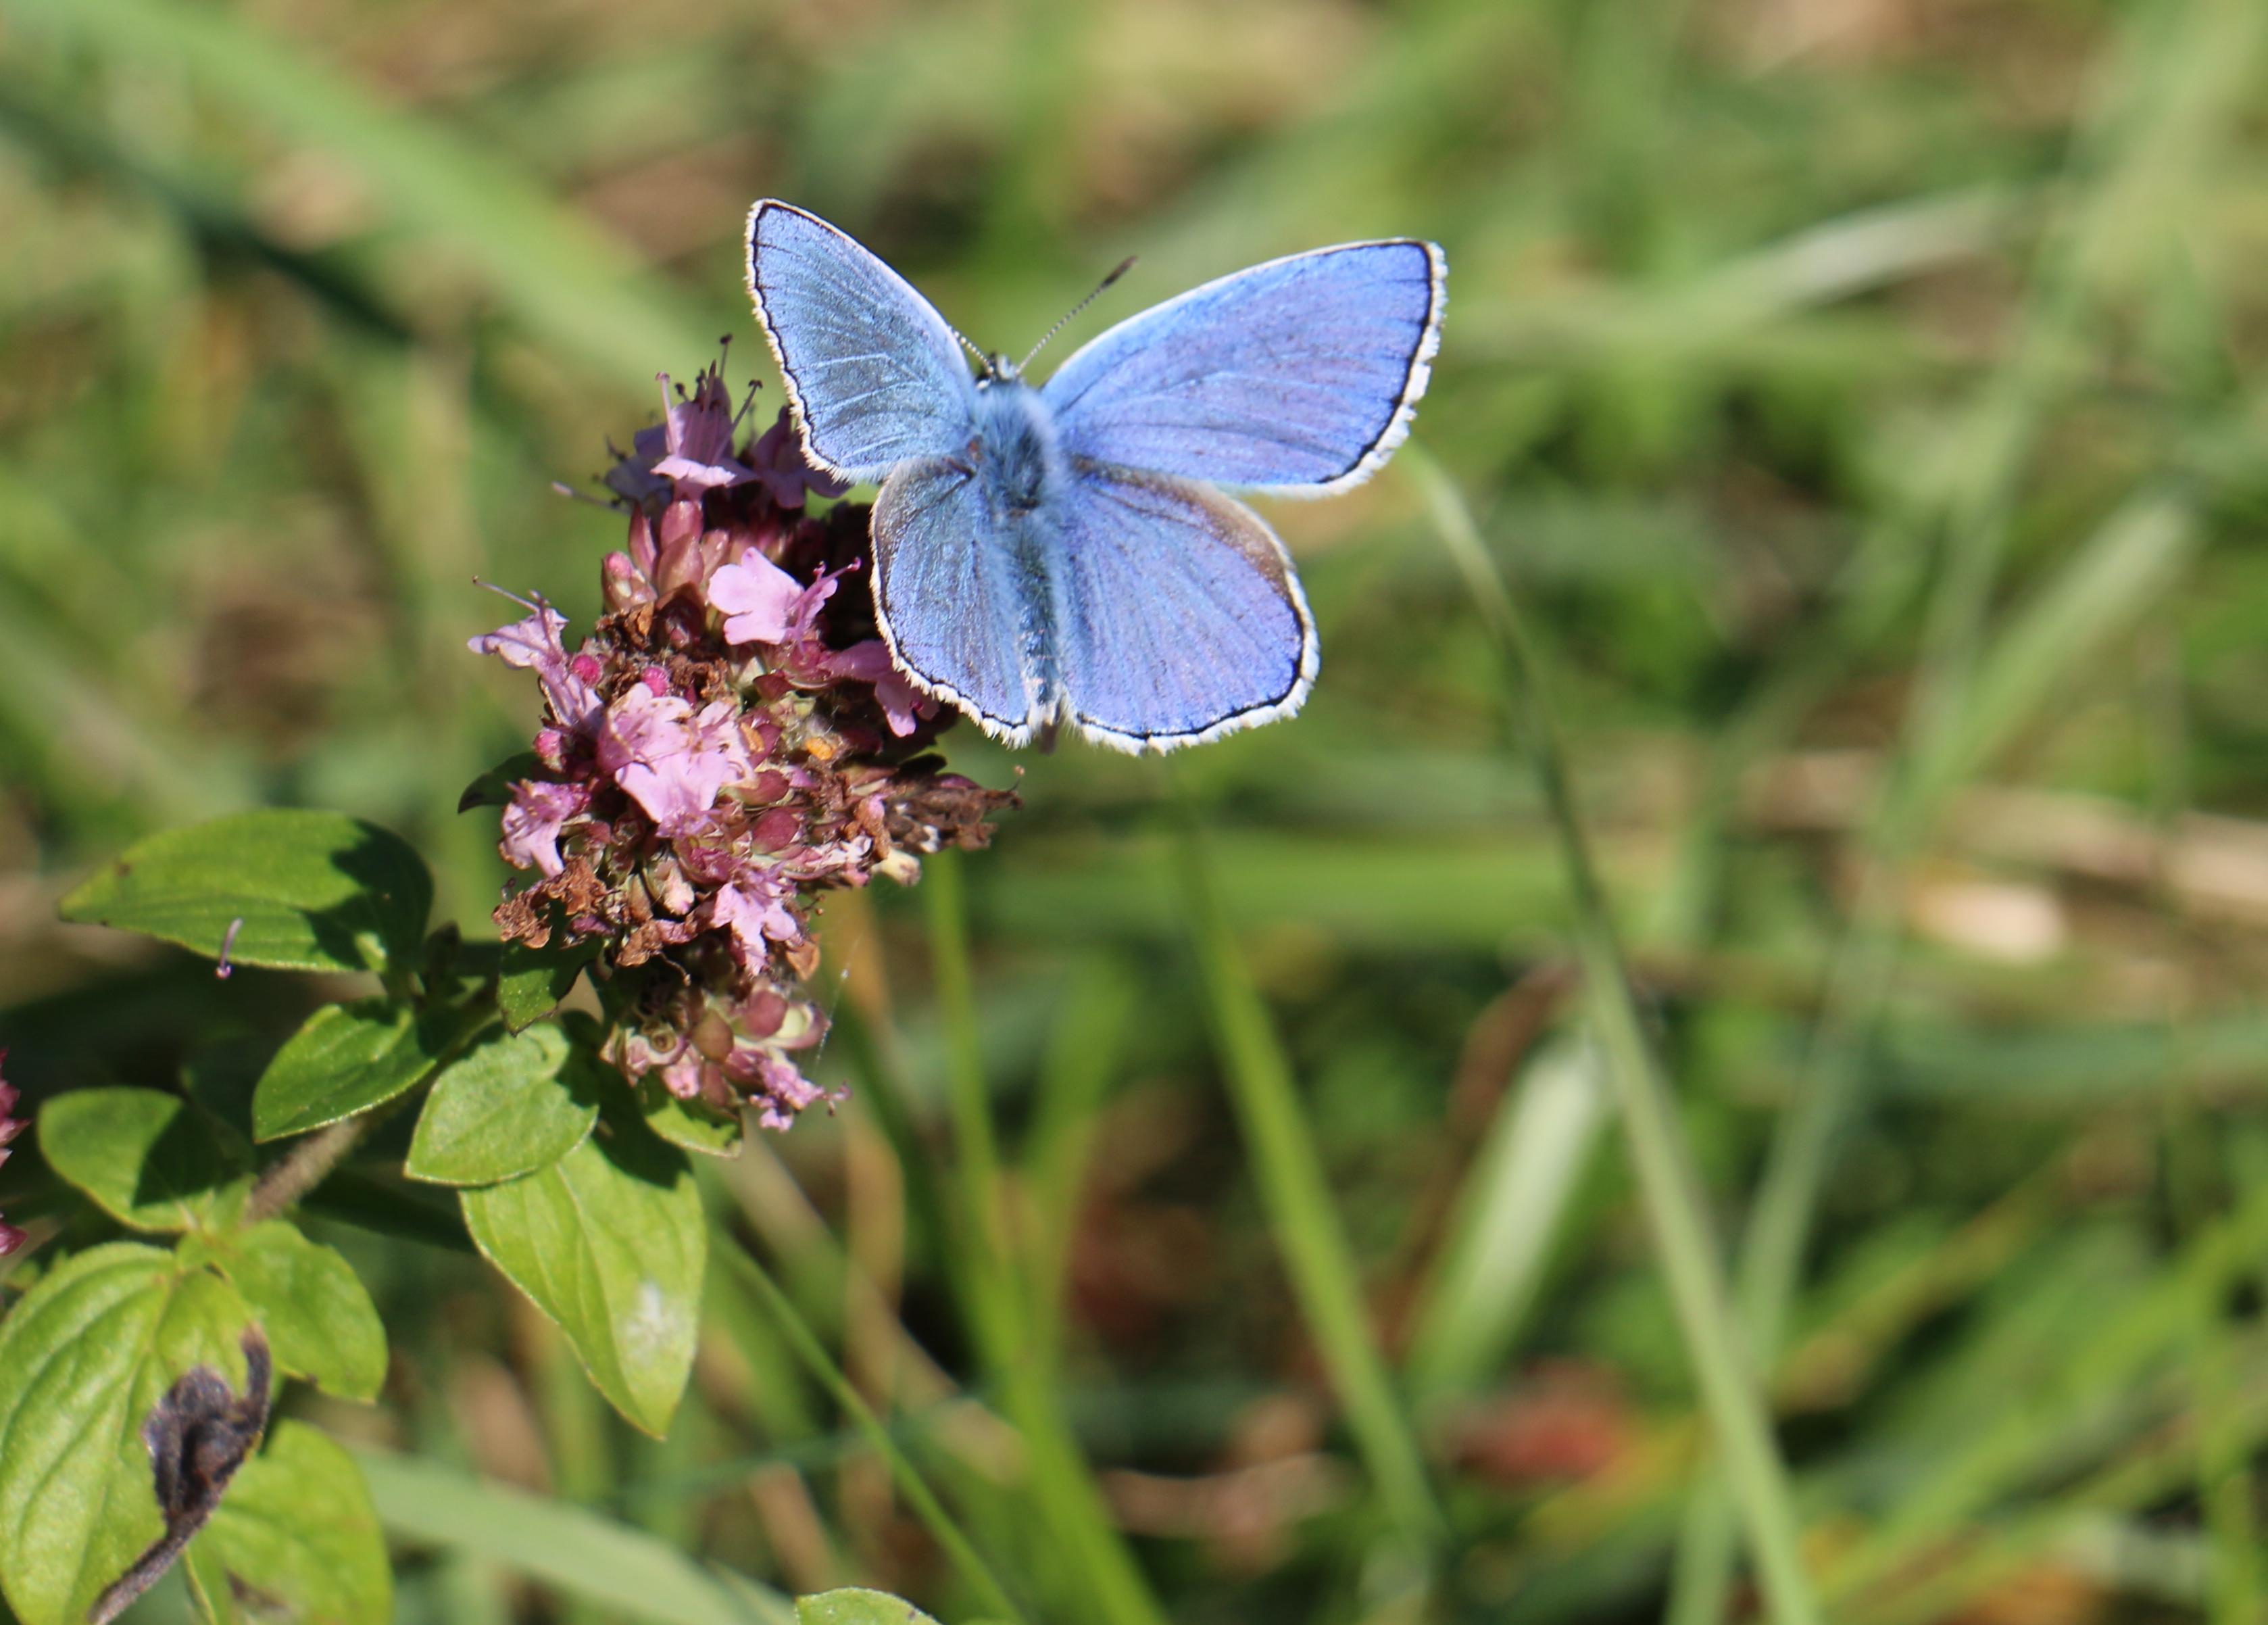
(11, 1126)
(533, 644)
(776, 456)
(759, 599)
(902, 704)
(671, 759)
(730, 742)
(532, 822)
(696, 435)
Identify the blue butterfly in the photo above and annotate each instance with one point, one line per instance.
(1059, 556)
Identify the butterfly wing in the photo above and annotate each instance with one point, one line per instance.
(872, 371)
(1301, 374)
(946, 598)
(1177, 617)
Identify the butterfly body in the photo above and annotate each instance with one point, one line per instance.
(1059, 556)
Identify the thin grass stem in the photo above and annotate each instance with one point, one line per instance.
(959, 1550)
(1668, 1181)
(1298, 1200)
(1068, 1501)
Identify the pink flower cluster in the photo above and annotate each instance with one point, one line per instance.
(730, 741)
(11, 1126)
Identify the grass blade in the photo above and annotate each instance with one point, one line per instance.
(589, 1557)
(1065, 1497)
(1538, 1147)
(1668, 1181)
(789, 1323)
(1299, 1203)
(572, 285)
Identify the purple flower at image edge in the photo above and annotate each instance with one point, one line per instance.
(11, 1126)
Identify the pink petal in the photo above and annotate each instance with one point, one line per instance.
(533, 645)
(532, 821)
(758, 599)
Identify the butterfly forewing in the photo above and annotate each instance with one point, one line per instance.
(874, 374)
(1300, 374)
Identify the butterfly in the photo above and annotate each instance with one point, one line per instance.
(1059, 555)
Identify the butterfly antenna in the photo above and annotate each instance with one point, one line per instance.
(1125, 265)
(982, 360)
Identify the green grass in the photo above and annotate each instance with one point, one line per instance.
(1286, 1186)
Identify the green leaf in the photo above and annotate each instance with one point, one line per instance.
(320, 1322)
(152, 1161)
(688, 1125)
(315, 891)
(629, 1573)
(854, 1607)
(517, 1103)
(386, 1205)
(297, 1538)
(535, 980)
(493, 788)
(82, 1359)
(347, 1059)
(608, 1242)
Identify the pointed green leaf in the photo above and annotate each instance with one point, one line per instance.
(694, 1128)
(517, 1103)
(534, 980)
(152, 1161)
(493, 788)
(347, 1059)
(295, 1539)
(320, 1322)
(82, 1359)
(314, 890)
(609, 1242)
(854, 1607)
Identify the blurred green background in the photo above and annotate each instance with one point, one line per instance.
(1865, 398)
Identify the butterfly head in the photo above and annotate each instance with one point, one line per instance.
(999, 369)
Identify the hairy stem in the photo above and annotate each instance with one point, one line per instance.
(306, 1165)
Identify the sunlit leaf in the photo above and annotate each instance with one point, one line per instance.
(84, 1359)
(317, 1316)
(295, 1539)
(300, 891)
(347, 1059)
(610, 1243)
(153, 1162)
(692, 1127)
(852, 1606)
(514, 1104)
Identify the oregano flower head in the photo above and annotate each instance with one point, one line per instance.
(729, 743)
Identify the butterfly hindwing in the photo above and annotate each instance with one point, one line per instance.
(1177, 617)
(1299, 375)
(945, 595)
(873, 372)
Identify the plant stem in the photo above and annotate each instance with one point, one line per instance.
(1298, 1200)
(306, 1165)
(992, 1596)
(1668, 1182)
(979, 1153)
(1069, 1501)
